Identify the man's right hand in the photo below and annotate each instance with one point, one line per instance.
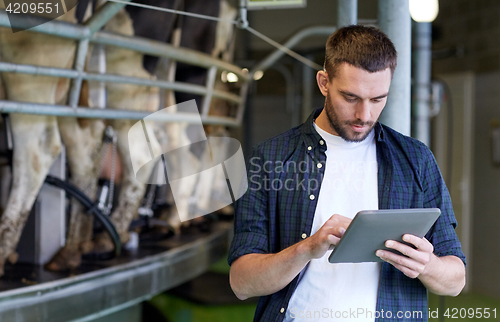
(328, 235)
(264, 274)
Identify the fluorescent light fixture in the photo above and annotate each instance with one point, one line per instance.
(424, 10)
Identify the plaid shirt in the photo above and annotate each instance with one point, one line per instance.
(284, 181)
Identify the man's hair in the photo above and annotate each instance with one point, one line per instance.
(360, 46)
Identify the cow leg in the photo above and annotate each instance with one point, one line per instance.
(129, 97)
(131, 192)
(37, 144)
(82, 139)
(36, 138)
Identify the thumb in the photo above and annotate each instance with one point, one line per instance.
(333, 240)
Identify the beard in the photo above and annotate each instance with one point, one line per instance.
(343, 128)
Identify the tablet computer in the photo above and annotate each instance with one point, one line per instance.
(370, 229)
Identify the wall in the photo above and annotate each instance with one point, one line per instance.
(453, 147)
(473, 27)
(486, 211)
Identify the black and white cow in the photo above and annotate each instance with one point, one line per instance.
(38, 139)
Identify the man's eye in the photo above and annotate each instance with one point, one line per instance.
(352, 100)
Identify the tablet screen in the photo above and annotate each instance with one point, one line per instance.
(370, 229)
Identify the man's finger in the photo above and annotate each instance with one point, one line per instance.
(333, 240)
(420, 243)
(408, 251)
(392, 258)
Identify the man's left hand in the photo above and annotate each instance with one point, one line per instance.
(415, 261)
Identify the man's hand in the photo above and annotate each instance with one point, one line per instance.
(417, 260)
(329, 234)
(440, 275)
(264, 274)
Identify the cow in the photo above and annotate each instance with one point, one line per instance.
(119, 96)
(38, 138)
(209, 37)
(205, 39)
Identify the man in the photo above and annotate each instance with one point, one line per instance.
(307, 184)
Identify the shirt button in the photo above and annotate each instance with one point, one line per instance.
(282, 310)
(311, 197)
(319, 165)
(304, 236)
(309, 148)
(321, 142)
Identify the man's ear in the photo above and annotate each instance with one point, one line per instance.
(322, 80)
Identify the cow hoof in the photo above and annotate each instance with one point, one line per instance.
(13, 258)
(86, 247)
(103, 244)
(65, 259)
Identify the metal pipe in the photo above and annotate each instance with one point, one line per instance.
(284, 49)
(243, 21)
(421, 81)
(97, 63)
(347, 13)
(37, 70)
(84, 112)
(143, 45)
(63, 29)
(212, 72)
(102, 16)
(394, 19)
(242, 105)
(290, 43)
(69, 73)
(307, 90)
(156, 48)
(45, 26)
(74, 94)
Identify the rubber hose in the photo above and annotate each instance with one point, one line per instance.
(76, 193)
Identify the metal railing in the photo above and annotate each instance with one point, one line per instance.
(88, 33)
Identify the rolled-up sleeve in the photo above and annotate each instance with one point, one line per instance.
(442, 235)
(251, 222)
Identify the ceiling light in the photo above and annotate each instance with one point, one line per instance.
(424, 10)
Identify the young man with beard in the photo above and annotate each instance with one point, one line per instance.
(283, 233)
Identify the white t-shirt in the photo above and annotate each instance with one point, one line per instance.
(346, 291)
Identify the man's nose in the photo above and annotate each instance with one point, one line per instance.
(363, 111)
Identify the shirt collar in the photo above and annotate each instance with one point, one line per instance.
(313, 139)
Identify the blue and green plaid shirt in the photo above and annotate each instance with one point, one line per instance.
(284, 181)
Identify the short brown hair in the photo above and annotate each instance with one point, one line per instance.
(361, 46)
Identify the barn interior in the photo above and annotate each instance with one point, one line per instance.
(249, 76)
